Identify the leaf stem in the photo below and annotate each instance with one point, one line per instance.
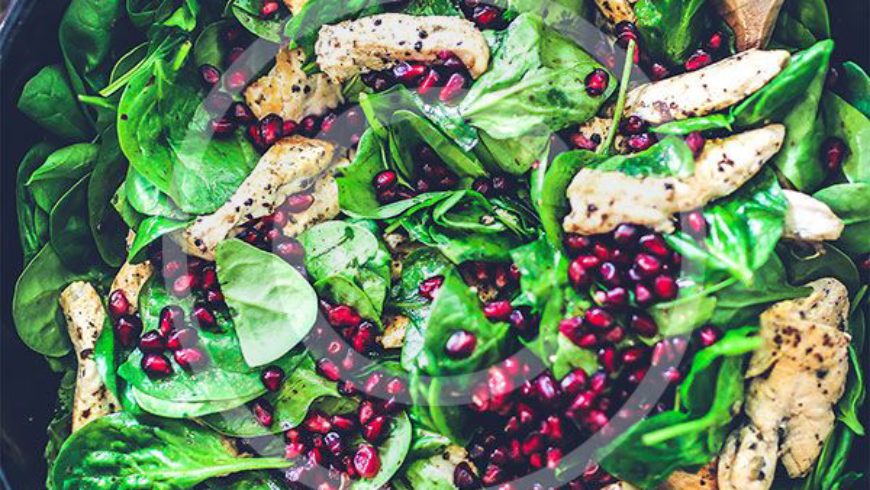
(605, 147)
(94, 101)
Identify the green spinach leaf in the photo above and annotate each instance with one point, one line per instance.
(851, 202)
(847, 123)
(856, 87)
(70, 231)
(32, 220)
(107, 227)
(86, 39)
(671, 29)
(61, 170)
(247, 12)
(48, 99)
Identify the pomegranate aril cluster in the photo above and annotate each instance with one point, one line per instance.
(484, 14)
(267, 233)
(433, 176)
(444, 79)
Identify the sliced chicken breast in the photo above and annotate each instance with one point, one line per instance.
(85, 318)
(602, 200)
(751, 20)
(325, 207)
(130, 279)
(289, 92)
(290, 166)
(381, 41)
(616, 11)
(797, 377)
(810, 220)
(703, 479)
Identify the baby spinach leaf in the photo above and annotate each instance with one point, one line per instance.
(827, 261)
(61, 170)
(69, 229)
(743, 230)
(251, 480)
(392, 454)
(433, 473)
(32, 229)
(208, 47)
(513, 156)
(337, 249)
(433, 7)
(552, 205)
(356, 193)
(107, 227)
(150, 230)
(855, 87)
(671, 29)
(847, 123)
(851, 202)
(247, 12)
(174, 409)
(123, 451)
(144, 13)
(48, 99)
(85, 36)
(703, 123)
(147, 199)
(272, 305)
(302, 389)
(163, 131)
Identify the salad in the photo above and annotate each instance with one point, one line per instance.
(438, 244)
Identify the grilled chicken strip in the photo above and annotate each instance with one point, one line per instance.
(325, 207)
(130, 279)
(752, 20)
(289, 92)
(616, 11)
(290, 166)
(85, 318)
(382, 41)
(601, 200)
(810, 220)
(797, 377)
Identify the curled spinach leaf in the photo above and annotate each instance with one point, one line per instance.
(671, 29)
(32, 220)
(59, 172)
(851, 202)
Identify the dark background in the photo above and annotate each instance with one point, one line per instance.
(27, 386)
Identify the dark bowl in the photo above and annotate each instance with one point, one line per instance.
(28, 41)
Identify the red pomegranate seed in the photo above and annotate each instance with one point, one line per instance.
(615, 298)
(429, 287)
(118, 304)
(597, 82)
(375, 429)
(395, 386)
(269, 9)
(430, 81)
(182, 284)
(548, 389)
(385, 180)
(318, 423)
(408, 73)
(697, 224)
(263, 412)
(696, 143)
(583, 401)
(608, 360)
(241, 113)
(642, 295)
(460, 344)
(665, 287)
(595, 420)
(152, 342)
(156, 366)
(587, 341)
(294, 449)
(203, 316)
(298, 203)
(343, 316)
(272, 378)
(222, 127)
(520, 320)
(655, 245)
(615, 335)
(699, 59)
(577, 244)
(834, 153)
(641, 142)
(598, 382)
(373, 383)
(609, 274)
(571, 328)
(648, 265)
(181, 339)
(578, 274)
(271, 129)
(672, 375)
(209, 279)
(709, 335)
(633, 125)
(189, 358)
(328, 369)
(498, 382)
(290, 250)
(715, 42)
(254, 135)
(643, 325)
(289, 127)
(342, 423)
(598, 318)
(658, 72)
(452, 88)
(485, 16)
(366, 461)
(464, 477)
(498, 311)
(574, 382)
(236, 80)
(210, 75)
(580, 141)
(364, 339)
(636, 376)
(127, 330)
(366, 412)
(171, 318)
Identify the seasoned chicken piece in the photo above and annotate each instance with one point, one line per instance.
(290, 166)
(797, 377)
(810, 220)
(395, 327)
(85, 318)
(751, 20)
(130, 279)
(295, 6)
(325, 207)
(602, 200)
(616, 11)
(703, 479)
(289, 92)
(381, 41)
(707, 90)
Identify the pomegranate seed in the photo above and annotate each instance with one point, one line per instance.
(318, 423)
(269, 9)
(272, 378)
(222, 127)
(574, 382)
(366, 461)
(171, 269)
(672, 375)
(580, 141)
(395, 386)
(583, 401)
(373, 383)
(271, 129)
(578, 274)
(598, 382)
(643, 325)
(189, 358)
(533, 443)
(293, 450)
(485, 16)
(460, 344)
(608, 360)
(182, 338)
(498, 311)
(156, 366)
(409, 73)
(648, 265)
(385, 180)
(697, 224)
(715, 42)
(290, 250)
(342, 423)
(615, 298)
(343, 316)
(210, 75)
(464, 477)
(202, 316)
(665, 287)
(499, 383)
(571, 328)
(601, 251)
(241, 113)
(182, 285)
(152, 342)
(376, 428)
(658, 72)
(598, 318)
(595, 420)
(577, 244)
(254, 135)
(430, 81)
(633, 125)
(452, 88)
(364, 339)
(289, 127)
(548, 389)
(587, 341)
(709, 335)
(637, 376)
(609, 274)
(236, 80)
(699, 59)
(298, 203)
(328, 369)
(642, 295)
(626, 27)
(641, 142)
(696, 142)
(554, 457)
(263, 411)
(834, 152)
(615, 335)
(429, 287)
(366, 412)
(127, 329)
(520, 321)
(118, 304)
(597, 82)
(655, 245)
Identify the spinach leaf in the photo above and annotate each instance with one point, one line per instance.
(35, 306)
(847, 123)
(251, 480)
(147, 199)
(457, 307)
(336, 249)
(648, 452)
(671, 29)
(302, 28)
(302, 389)
(85, 36)
(60, 426)
(851, 202)
(669, 157)
(163, 131)
(149, 230)
(522, 96)
(107, 228)
(48, 99)
(272, 305)
(356, 194)
(742, 231)
(433, 7)
(553, 203)
(32, 220)
(392, 454)
(433, 473)
(122, 451)
(247, 12)
(208, 47)
(856, 87)
(61, 170)
(70, 231)
(513, 156)
(827, 261)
